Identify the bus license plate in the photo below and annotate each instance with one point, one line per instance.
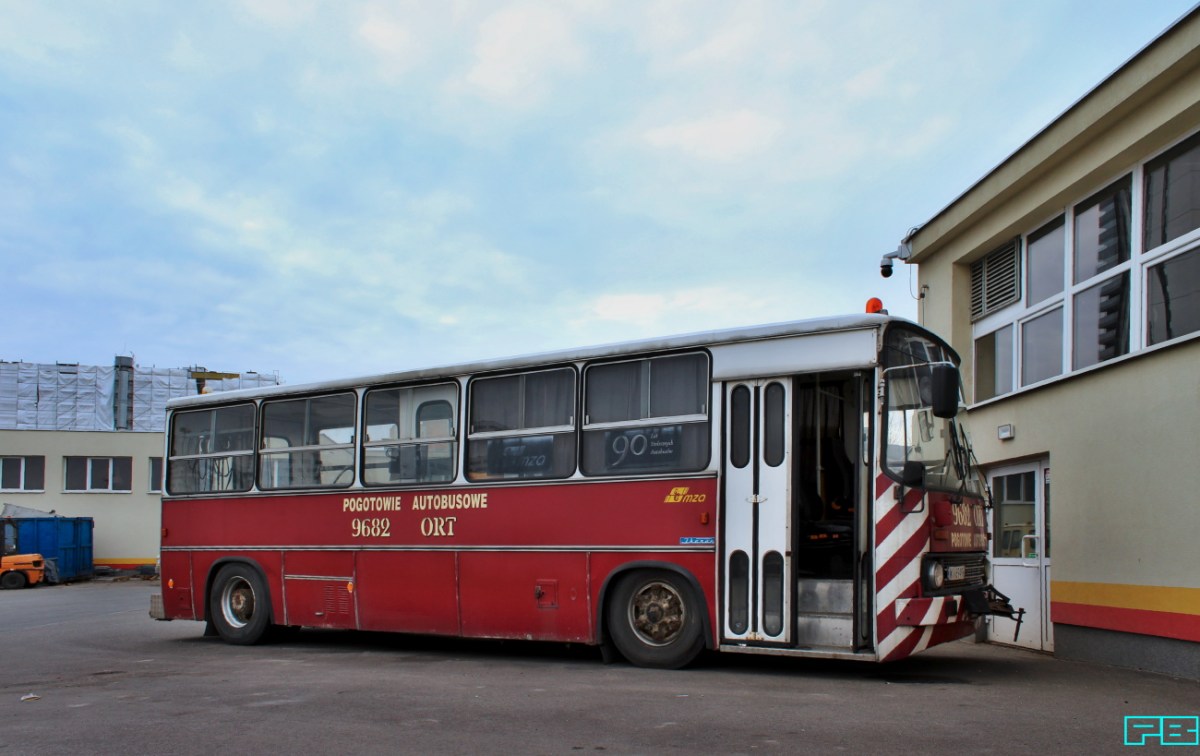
(956, 572)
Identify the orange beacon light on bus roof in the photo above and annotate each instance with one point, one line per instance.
(875, 306)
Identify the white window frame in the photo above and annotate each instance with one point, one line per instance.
(91, 488)
(1163, 253)
(156, 483)
(21, 481)
(1137, 266)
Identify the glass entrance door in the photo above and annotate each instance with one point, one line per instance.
(1021, 552)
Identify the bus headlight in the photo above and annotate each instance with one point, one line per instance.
(935, 575)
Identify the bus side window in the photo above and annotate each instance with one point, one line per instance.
(647, 415)
(211, 450)
(435, 419)
(318, 434)
(522, 426)
(410, 435)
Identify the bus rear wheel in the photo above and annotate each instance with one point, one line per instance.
(654, 619)
(239, 606)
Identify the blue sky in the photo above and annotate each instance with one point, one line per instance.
(329, 189)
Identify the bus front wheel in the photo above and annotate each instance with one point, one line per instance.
(238, 605)
(654, 619)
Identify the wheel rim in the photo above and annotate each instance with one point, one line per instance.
(237, 602)
(657, 613)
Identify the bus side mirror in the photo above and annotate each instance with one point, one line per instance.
(913, 474)
(945, 391)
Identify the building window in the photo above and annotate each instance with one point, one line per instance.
(156, 475)
(98, 474)
(1102, 231)
(1173, 306)
(1041, 347)
(1172, 188)
(1101, 322)
(1091, 283)
(22, 473)
(1045, 262)
(994, 363)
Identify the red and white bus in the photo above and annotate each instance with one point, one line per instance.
(802, 489)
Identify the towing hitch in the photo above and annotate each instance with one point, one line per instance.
(988, 600)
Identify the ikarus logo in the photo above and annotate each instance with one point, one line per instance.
(680, 495)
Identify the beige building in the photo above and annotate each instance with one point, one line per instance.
(1068, 278)
(87, 441)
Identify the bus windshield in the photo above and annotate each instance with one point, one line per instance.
(916, 439)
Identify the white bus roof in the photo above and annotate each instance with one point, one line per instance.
(642, 346)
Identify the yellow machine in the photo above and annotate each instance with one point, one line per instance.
(18, 570)
(21, 570)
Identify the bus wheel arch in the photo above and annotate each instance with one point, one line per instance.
(655, 615)
(238, 601)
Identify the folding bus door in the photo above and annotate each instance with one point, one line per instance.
(757, 518)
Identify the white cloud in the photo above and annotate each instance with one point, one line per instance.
(729, 45)
(722, 137)
(280, 13)
(394, 43)
(185, 55)
(872, 81)
(46, 34)
(385, 35)
(923, 137)
(672, 309)
(520, 51)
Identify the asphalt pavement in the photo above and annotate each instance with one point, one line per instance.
(85, 670)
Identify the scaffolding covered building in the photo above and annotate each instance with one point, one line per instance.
(87, 441)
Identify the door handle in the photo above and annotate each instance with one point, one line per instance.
(1026, 554)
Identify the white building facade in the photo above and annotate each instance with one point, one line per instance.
(1069, 279)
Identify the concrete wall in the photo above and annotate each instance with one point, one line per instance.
(126, 523)
(1122, 442)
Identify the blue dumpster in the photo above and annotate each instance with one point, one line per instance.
(65, 540)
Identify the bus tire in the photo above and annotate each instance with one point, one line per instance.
(12, 580)
(654, 619)
(239, 606)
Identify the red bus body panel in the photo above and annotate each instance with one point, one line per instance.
(505, 561)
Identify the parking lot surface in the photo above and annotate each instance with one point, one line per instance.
(98, 675)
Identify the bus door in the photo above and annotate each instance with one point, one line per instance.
(831, 421)
(757, 521)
